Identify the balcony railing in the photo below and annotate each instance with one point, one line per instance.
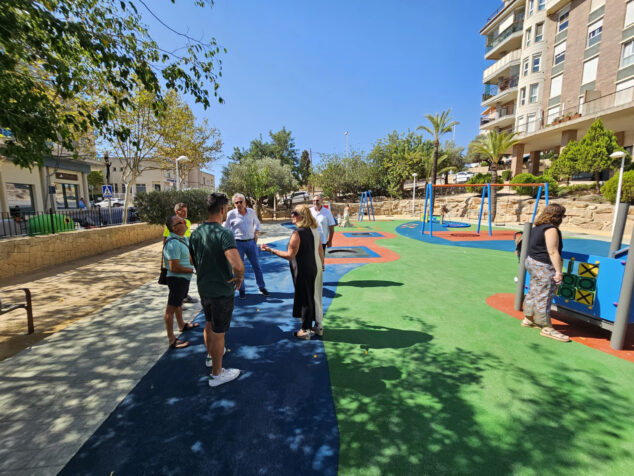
(502, 63)
(515, 27)
(492, 90)
(502, 113)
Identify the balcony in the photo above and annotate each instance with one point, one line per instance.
(499, 13)
(499, 119)
(553, 6)
(510, 39)
(502, 65)
(504, 91)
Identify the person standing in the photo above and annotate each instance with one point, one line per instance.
(245, 226)
(306, 258)
(544, 265)
(219, 273)
(82, 204)
(179, 273)
(325, 221)
(181, 210)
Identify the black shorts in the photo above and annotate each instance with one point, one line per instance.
(179, 287)
(218, 311)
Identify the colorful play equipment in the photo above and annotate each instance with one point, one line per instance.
(595, 289)
(366, 206)
(486, 193)
(49, 223)
(455, 224)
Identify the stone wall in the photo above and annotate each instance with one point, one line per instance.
(31, 253)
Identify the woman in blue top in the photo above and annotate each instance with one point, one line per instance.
(544, 264)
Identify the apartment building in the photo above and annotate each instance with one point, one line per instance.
(558, 66)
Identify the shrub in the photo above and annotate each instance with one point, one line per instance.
(627, 191)
(575, 189)
(484, 164)
(481, 178)
(156, 206)
(506, 175)
(525, 178)
(553, 186)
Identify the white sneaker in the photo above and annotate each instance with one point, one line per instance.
(227, 375)
(208, 360)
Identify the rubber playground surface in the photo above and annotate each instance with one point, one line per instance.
(421, 371)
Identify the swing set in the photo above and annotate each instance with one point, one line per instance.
(486, 193)
(366, 202)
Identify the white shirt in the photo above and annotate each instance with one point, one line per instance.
(324, 221)
(242, 226)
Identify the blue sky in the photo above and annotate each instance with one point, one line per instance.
(323, 68)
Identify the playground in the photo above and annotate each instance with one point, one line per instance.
(423, 369)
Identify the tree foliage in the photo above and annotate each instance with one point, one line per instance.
(56, 54)
(305, 168)
(627, 188)
(95, 180)
(345, 176)
(280, 147)
(439, 125)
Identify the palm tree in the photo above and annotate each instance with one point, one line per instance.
(493, 147)
(440, 125)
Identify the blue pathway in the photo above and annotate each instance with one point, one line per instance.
(277, 418)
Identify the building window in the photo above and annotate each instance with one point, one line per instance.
(596, 4)
(539, 32)
(20, 195)
(532, 97)
(541, 4)
(594, 33)
(122, 188)
(140, 187)
(520, 124)
(555, 86)
(629, 13)
(528, 36)
(530, 123)
(525, 67)
(66, 195)
(537, 63)
(157, 187)
(562, 21)
(522, 96)
(590, 70)
(116, 188)
(114, 169)
(531, 4)
(560, 52)
(627, 53)
(553, 112)
(624, 92)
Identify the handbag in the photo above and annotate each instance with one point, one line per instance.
(163, 276)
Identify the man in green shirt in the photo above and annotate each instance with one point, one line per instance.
(219, 273)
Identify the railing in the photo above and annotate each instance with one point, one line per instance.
(504, 112)
(502, 63)
(24, 223)
(515, 27)
(492, 90)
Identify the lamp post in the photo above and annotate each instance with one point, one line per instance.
(414, 193)
(178, 177)
(346, 134)
(619, 154)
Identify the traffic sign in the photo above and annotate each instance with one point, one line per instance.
(106, 191)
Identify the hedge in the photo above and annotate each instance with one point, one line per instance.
(532, 191)
(155, 207)
(627, 191)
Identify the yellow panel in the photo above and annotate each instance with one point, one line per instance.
(588, 270)
(584, 297)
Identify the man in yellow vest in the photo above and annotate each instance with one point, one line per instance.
(181, 210)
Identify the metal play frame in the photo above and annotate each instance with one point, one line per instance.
(486, 192)
(366, 200)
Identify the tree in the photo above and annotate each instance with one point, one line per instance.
(257, 179)
(345, 176)
(440, 124)
(567, 164)
(281, 147)
(305, 168)
(153, 140)
(472, 155)
(492, 148)
(55, 54)
(95, 180)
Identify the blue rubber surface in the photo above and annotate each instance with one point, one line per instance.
(362, 234)
(576, 245)
(277, 418)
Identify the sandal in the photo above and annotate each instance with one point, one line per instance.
(305, 336)
(526, 322)
(553, 334)
(189, 326)
(179, 344)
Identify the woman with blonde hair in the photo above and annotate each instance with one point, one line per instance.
(544, 264)
(306, 257)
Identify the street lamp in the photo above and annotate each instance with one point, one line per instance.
(619, 154)
(346, 134)
(414, 192)
(178, 177)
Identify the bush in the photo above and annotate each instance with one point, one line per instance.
(506, 175)
(525, 178)
(553, 186)
(155, 207)
(481, 178)
(576, 189)
(484, 164)
(627, 191)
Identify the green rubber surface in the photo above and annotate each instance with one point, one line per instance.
(429, 379)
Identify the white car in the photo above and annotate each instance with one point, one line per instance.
(115, 202)
(299, 197)
(462, 177)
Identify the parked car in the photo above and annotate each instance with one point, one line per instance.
(298, 197)
(462, 177)
(116, 202)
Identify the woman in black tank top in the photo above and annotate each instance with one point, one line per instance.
(544, 265)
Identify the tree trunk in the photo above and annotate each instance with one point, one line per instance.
(494, 193)
(597, 185)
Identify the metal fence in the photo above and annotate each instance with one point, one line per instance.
(19, 222)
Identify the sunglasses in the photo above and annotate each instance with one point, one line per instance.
(237, 201)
